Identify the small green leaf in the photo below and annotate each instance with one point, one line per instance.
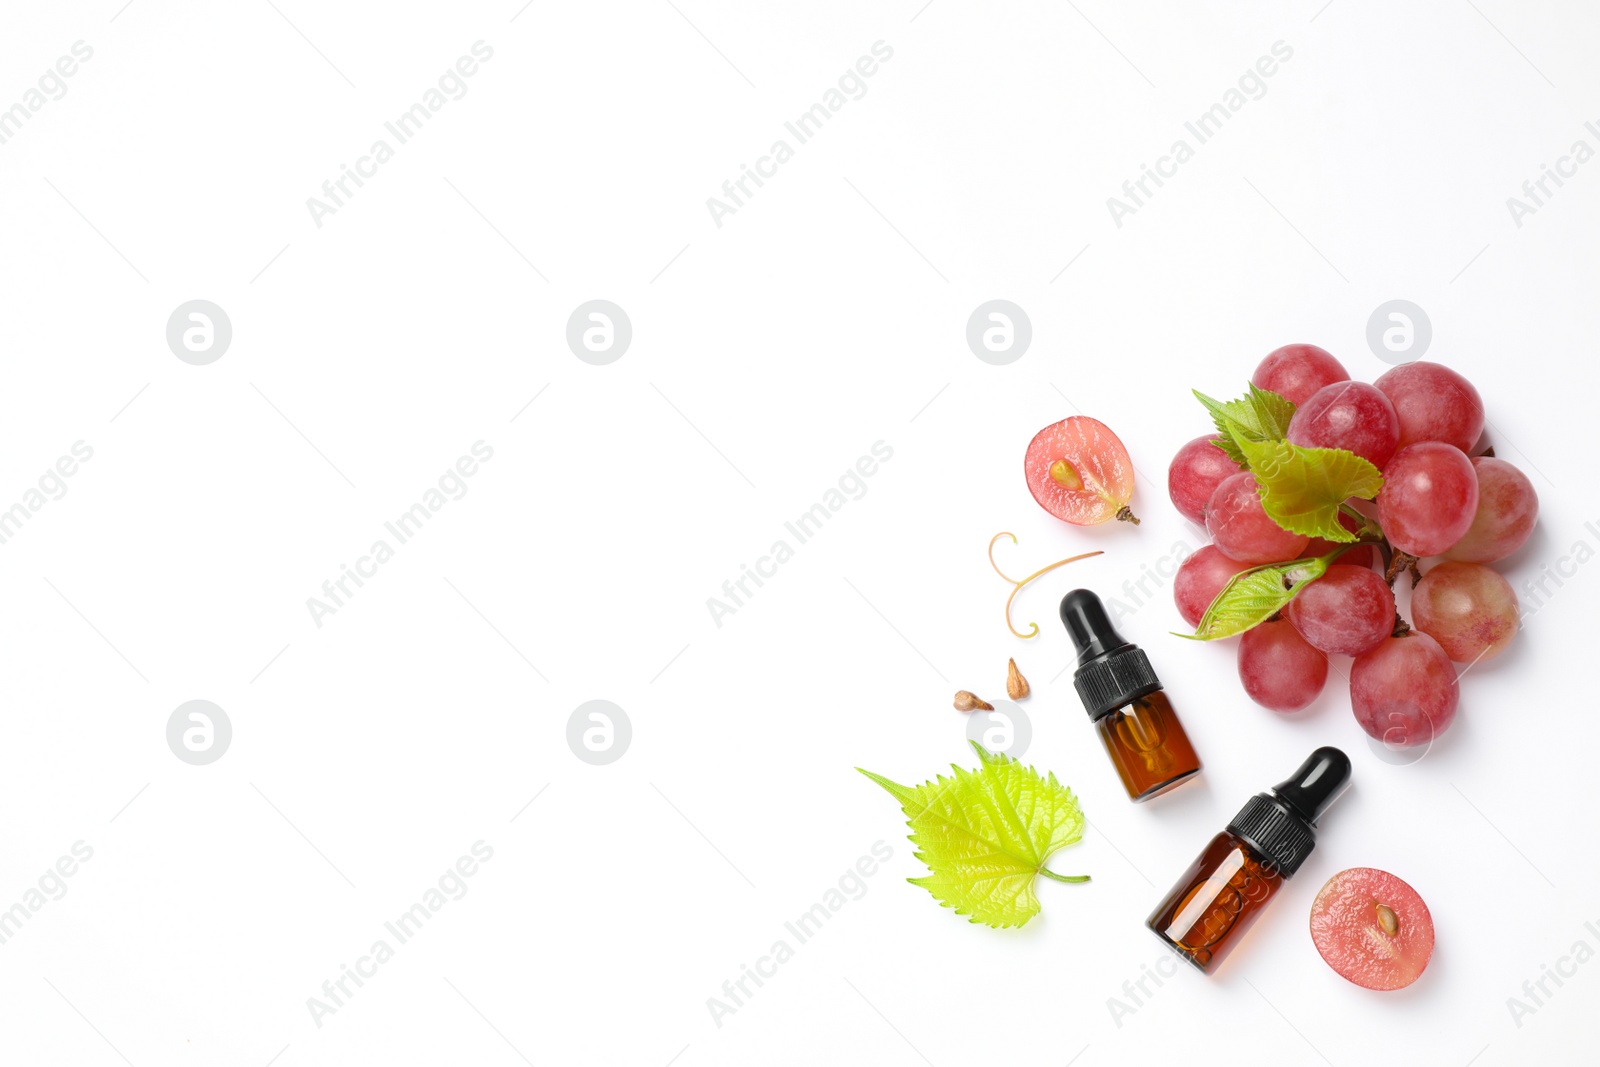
(985, 834)
(1270, 411)
(1230, 449)
(1260, 415)
(1302, 488)
(1252, 597)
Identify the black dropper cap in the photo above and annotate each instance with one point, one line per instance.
(1111, 670)
(1281, 823)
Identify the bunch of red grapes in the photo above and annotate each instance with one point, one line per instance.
(1441, 504)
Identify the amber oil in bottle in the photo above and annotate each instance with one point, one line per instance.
(1124, 698)
(1224, 890)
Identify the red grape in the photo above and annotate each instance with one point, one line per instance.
(1353, 416)
(1200, 579)
(1241, 527)
(1294, 372)
(1404, 692)
(1196, 471)
(1279, 670)
(1360, 556)
(1079, 471)
(1507, 509)
(1434, 403)
(1466, 607)
(1429, 497)
(1360, 942)
(1347, 611)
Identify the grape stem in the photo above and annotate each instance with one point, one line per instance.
(1369, 530)
(1401, 627)
(1063, 877)
(1402, 561)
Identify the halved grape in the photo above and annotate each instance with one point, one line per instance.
(1079, 471)
(1278, 668)
(1466, 607)
(1346, 612)
(1404, 692)
(1428, 499)
(1433, 403)
(1196, 471)
(1294, 372)
(1507, 509)
(1372, 928)
(1241, 528)
(1200, 579)
(1353, 416)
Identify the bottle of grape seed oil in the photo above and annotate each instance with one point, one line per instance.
(1124, 699)
(1224, 890)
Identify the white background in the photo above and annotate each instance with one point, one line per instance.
(768, 355)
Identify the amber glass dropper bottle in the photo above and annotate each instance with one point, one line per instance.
(1123, 697)
(1224, 890)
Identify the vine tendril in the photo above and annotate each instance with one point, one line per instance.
(1017, 585)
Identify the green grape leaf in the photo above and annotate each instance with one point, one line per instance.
(985, 834)
(1231, 449)
(1260, 415)
(1302, 488)
(1252, 597)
